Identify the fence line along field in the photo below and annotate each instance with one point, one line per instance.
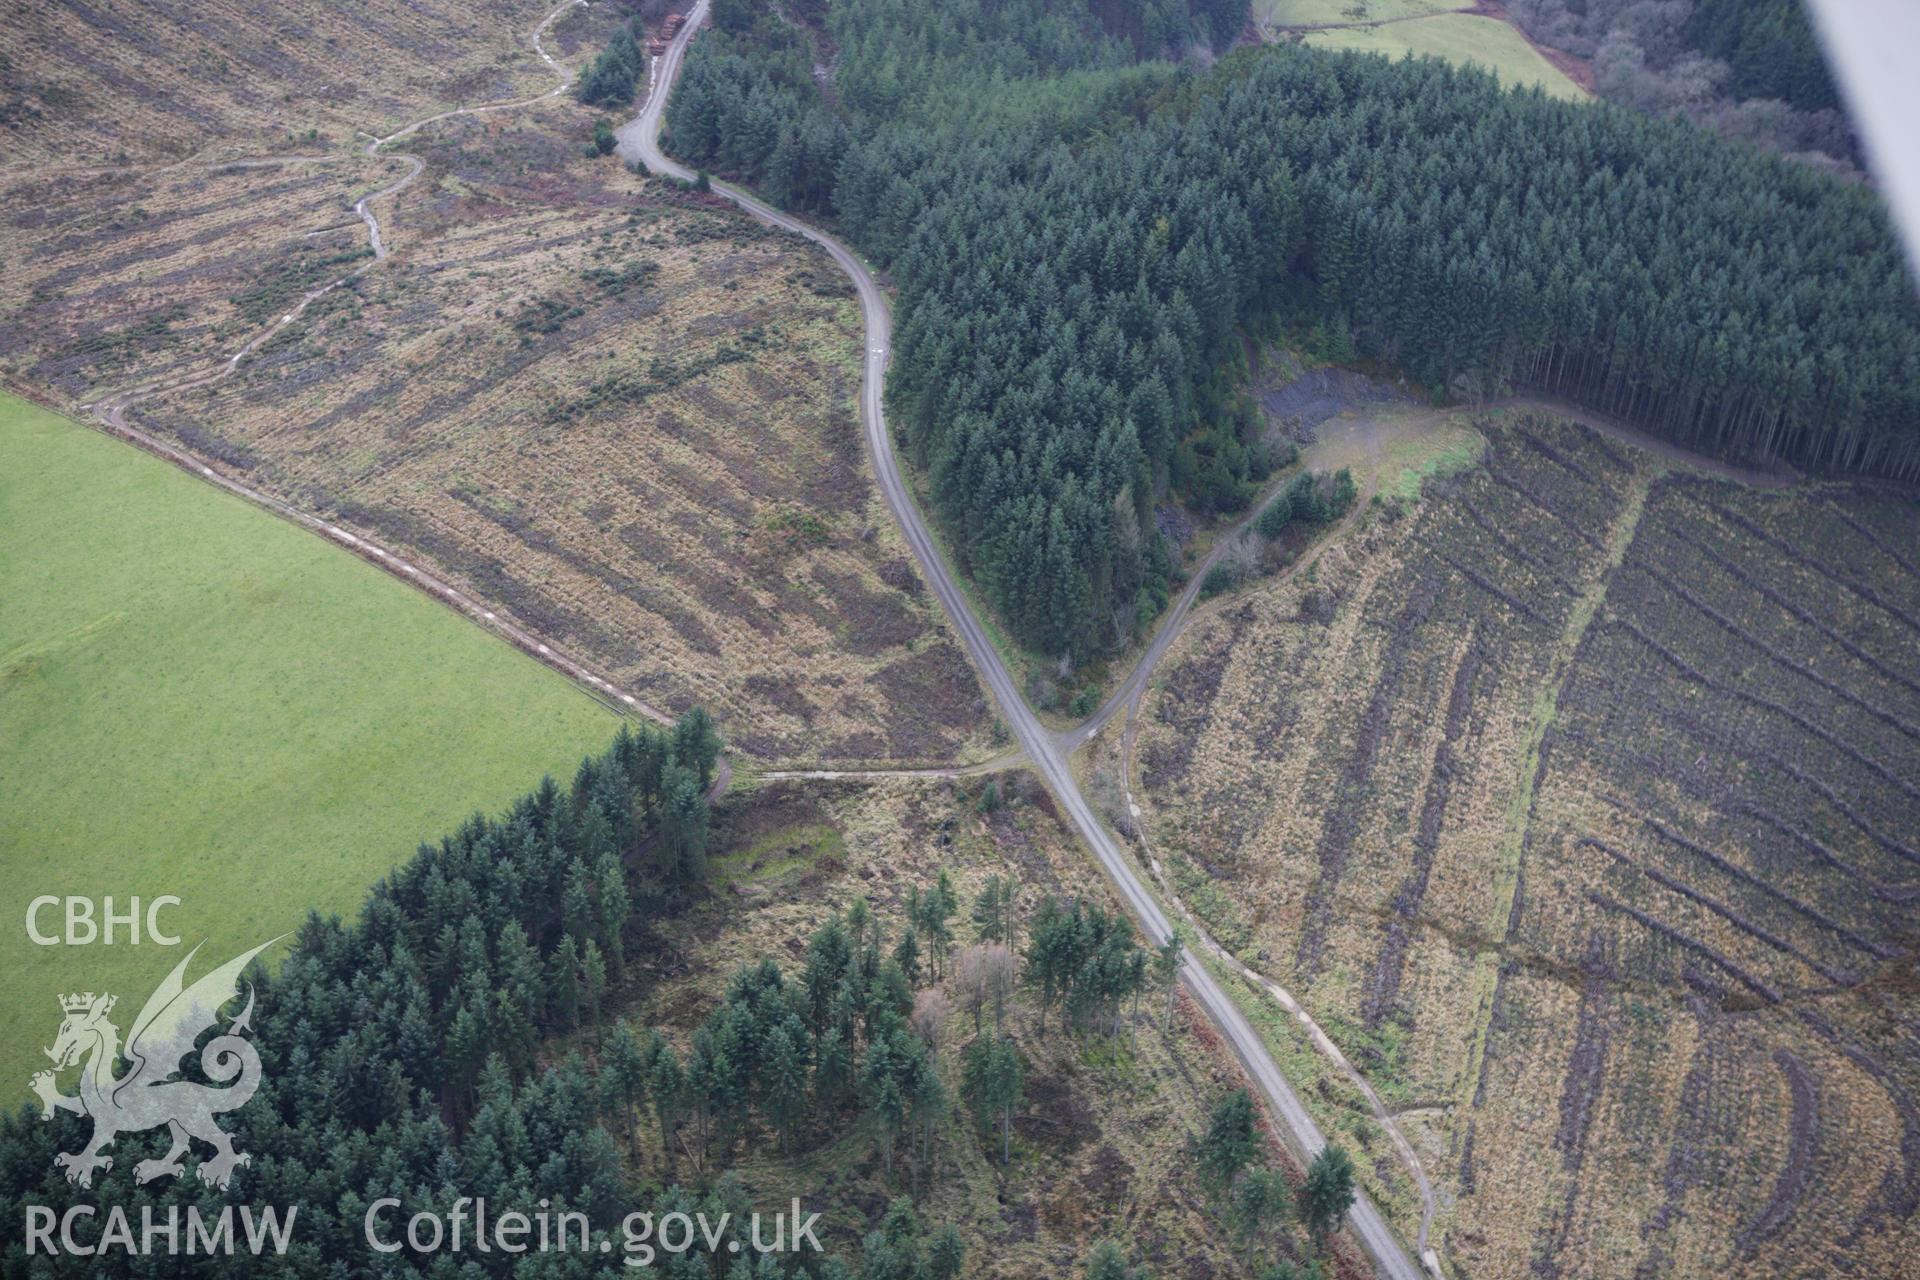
(1578, 805)
(620, 414)
(189, 685)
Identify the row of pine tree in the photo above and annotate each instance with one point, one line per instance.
(1081, 233)
(409, 1054)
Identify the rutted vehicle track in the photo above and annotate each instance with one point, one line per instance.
(110, 410)
(639, 141)
(1048, 751)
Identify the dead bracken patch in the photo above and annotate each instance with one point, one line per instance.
(1101, 1141)
(1608, 844)
(551, 397)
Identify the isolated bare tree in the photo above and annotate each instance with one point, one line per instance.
(970, 981)
(1241, 559)
(931, 1013)
(983, 975)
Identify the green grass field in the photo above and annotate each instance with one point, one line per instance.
(1458, 37)
(199, 699)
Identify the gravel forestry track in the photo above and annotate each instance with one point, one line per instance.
(639, 141)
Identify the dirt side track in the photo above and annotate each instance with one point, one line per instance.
(639, 140)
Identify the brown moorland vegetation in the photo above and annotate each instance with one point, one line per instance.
(123, 83)
(621, 414)
(1577, 805)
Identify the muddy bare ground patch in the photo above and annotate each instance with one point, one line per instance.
(1297, 400)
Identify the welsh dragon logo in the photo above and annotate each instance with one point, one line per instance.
(151, 1093)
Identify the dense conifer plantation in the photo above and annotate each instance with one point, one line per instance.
(399, 1053)
(1080, 232)
(405, 1056)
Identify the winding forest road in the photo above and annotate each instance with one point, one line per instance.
(1048, 751)
(638, 140)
